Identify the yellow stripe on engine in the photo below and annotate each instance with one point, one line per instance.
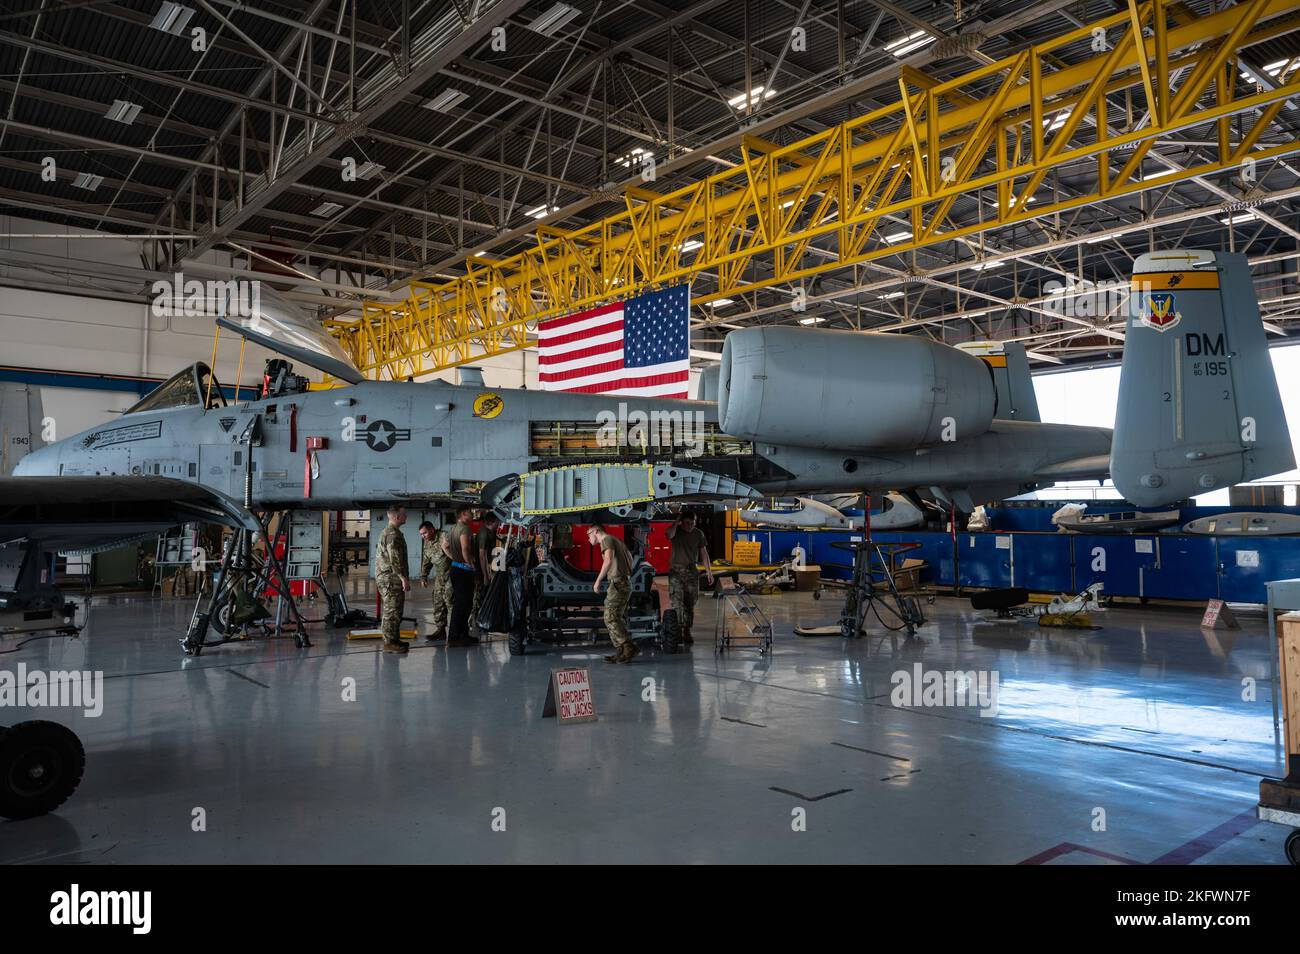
(1174, 281)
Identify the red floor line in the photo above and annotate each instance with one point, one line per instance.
(1184, 854)
(1068, 847)
(1214, 838)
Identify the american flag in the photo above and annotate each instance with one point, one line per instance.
(638, 346)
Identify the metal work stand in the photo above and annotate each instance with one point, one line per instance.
(736, 602)
(873, 583)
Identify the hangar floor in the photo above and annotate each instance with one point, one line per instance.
(1143, 719)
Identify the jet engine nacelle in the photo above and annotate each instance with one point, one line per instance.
(851, 391)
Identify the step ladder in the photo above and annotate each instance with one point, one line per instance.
(741, 622)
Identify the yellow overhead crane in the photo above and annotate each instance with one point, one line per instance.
(912, 158)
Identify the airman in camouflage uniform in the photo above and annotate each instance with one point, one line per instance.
(392, 579)
(689, 550)
(432, 558)
(616, 566)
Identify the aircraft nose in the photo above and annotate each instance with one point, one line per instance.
(38, 463)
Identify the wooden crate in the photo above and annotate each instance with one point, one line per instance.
(1288, 648)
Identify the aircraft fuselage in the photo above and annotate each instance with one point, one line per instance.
(377, 442)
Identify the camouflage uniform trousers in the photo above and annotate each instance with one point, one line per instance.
(683, 591)
(441, 600)
(391, 603)
(616, 598)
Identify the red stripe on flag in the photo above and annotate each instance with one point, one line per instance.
(583, 335)
(580, 372)
(553, 323)
(546, 357)
(671, 377)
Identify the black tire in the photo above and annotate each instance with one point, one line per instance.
(1292, 847)
(517, 639)
(670, 631)
(41, 764)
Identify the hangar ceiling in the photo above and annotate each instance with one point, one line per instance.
(483, 120)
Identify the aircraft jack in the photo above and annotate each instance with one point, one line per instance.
(873, 584)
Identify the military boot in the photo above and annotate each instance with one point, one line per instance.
(397, 647)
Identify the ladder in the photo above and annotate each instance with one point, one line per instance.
(741, 622)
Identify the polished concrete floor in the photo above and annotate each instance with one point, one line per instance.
(1130, 744)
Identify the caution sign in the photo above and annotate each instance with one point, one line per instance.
(1219, 615)
(569, 696)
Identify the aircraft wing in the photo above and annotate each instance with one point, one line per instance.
(73, 513)
(1097, 465)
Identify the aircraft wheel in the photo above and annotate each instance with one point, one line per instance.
(220, 620)
(518, 639)
(817, 594)
(41, 764)
(670, 628)
(1292, 846)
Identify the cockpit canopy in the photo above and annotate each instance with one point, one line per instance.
(195, 386)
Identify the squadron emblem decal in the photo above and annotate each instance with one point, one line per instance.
(488, 405)
(227, 423)
(1161, 311)
(381, 435)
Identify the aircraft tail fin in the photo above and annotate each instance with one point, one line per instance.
(20, 424)
(1010, 367)
(1199, 407)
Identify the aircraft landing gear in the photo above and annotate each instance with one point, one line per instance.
(234, 603)
(41, 764)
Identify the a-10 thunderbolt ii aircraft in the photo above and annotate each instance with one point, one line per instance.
(797, 410)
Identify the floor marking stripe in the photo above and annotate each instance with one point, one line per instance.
(1214, 838)
(240, 675)
(809, 798)
(883, 755)
(757, 725)
(1184, 854)
(1069, 847)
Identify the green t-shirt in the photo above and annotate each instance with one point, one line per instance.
(460, 541)
(621, 567)
(485, 539)
(687, 548)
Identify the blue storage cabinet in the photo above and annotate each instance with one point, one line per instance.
(1043, 562)
(1157, 566)
(1246, 564)
(1186, 569)
(984, 559)
(1128, 559)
